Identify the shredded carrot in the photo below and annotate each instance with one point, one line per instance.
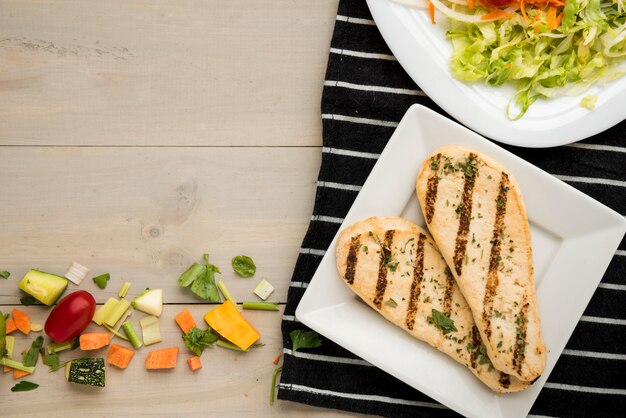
(496, 14)
(470, 4)
(94, 340)
(21, 321)
(194, 363)
(552, 24)
(277, 359)
(162, 359)
(185, 321)
(10, 326)
(120, 356)
(17, 374)
(431, 11)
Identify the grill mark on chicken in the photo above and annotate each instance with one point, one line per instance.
(476, 342)
(521, 322)
(447, 299)
(418, 276)
(494, 257)
(505, 380)
(385, 255)
(431, 193)
(353, 258)
(464, 219)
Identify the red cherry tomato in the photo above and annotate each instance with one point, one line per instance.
(70, 316)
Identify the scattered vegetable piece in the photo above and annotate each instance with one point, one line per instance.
(116, 333)
(10, 347)
(304, 339)
(202, 280)
(105, 310)
(86, 371)
(261, 306)
(120, 356)
(70, 316)
(76, 273)
(589, 101)
(52, 361)
(35, 326)
(127, 326)
(16, 365)
(150, 330)
(162, 359)
(31, 356)
(45, 287)
(149, 301)
(117, 313)
(227, 295)
(10, 326)
(197, 340)
(264, 289)
(18, 374)
(227, 321)
(27, 300)
(124, 289)
(243, 266)
(102, 280)
(194, 363)
(68, 345)
(277, 358)
(231, 346)
(441, 321)
(24, 386)
(273, 390)
(185, 321)
(94, 340)
(4, 274)
(22, 321)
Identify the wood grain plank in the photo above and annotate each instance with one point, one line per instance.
(145, 214)
(229, 384)
(228, 72)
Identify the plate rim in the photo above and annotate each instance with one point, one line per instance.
(617, 221)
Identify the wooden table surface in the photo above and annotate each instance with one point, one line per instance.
(134, 137)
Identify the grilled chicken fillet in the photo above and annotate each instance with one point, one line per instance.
(474, 210)
(395, 267)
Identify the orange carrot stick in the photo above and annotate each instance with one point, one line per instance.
(162, 359)
(431, 11)
(194, 363)
(185, 321)
(10, 326)
(94, 340)
(22, 321)
(17, 374)
(120, 356)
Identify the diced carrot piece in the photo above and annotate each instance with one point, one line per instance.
(17, 374)
(7, 369)
(277, 359)
(10, 326)
(194, 363)
(162, 359)
(22, 321)
(185, 321)
(227, 321)
(94, 340)
(120, 356)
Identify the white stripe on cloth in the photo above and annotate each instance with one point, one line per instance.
(312, 251)
(380, 89)
(591, 180)
(587, 389)
(340, 186)
(600, 320)
(359, 54)
(356, 20)
(364, 121)
(290, 318)
(612, 286)
(594, 354)
(327, 359)
(350, 153)
(598, 147)
(329, 219)
(302, 285)
(621, 252)
(360, 397)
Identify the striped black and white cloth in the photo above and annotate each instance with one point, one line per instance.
(366, 93)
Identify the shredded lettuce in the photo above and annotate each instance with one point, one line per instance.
(541, 63)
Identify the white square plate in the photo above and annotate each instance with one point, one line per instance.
(573, 236)
(424, 53)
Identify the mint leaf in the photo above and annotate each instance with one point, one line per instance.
(5, 274)
(102, 280)
(243, 266)
(30, 357)
(197, 340)
(304, 339)
(27, 300)
(442, 322)
(24, 386)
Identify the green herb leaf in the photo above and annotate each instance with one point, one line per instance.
(4, 274)
(31, 356)
(391, 303)
(304, 339)
(27, 300)
(243, 266)
(197, 340)
(102, 280)
(191, 274)
(204, 285)
(24, 386)
(52, 361)
(441, 321)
